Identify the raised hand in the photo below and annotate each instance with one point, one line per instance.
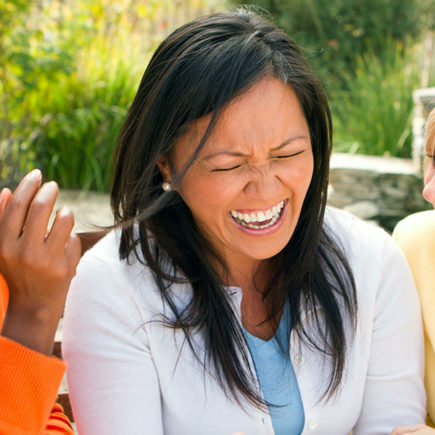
(38, 264)
(419, 429)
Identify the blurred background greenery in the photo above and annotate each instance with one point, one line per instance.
(371, 55)
(70, 68)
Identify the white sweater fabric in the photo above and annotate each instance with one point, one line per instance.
(129, 374)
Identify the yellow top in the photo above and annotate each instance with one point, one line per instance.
(416, 236)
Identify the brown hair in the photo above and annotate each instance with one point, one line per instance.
(430, 134)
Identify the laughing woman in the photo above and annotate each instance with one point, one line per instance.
(228, 298)
(416, 236)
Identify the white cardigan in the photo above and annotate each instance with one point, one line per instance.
(130, 375)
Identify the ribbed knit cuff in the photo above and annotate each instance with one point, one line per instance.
(29, 382)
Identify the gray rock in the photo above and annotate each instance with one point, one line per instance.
(363, 209)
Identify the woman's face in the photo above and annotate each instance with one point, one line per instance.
(429, 173)
(248, 184)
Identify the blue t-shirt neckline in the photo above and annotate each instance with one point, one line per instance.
(277, 378)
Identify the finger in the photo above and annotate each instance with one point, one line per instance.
(38, 216)
(61, 229)
(5, 197)
(403, 430)
(73, 251)
(16, 211)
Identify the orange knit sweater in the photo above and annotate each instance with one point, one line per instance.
(29, 382)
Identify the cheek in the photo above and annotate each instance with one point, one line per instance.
(429, 175)
(298, 175)
(208, 197)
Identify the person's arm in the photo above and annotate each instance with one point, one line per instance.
(112, 380)
(38, 267)
(29, 382)
(419, 429)
(394, 391)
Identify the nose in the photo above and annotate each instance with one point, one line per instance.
(264, 182)
(429, 184)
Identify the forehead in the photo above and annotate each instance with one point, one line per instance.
(264, 116)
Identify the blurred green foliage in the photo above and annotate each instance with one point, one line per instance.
(368, 54)
(373, 111)
(335, 32)
(69, 70)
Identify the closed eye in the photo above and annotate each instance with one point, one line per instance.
(287, 156)
(226, 169)
(431, 156)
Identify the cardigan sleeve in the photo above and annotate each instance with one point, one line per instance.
(394, 391)
(112, 380)
(29, 382)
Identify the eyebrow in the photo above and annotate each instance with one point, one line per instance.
(237, 154)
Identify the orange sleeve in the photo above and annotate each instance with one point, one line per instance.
(29, 382)
(4, 297)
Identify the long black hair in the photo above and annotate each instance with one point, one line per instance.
(196, 71)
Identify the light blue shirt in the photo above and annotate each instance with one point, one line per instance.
(277, 378)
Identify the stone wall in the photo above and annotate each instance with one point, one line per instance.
(378, 189)
(424, 102)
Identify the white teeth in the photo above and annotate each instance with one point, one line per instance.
(247, 219)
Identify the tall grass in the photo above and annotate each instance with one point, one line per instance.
(80, 114)
(68, 73)
(373, 112)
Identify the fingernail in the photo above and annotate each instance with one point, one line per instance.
(64, 211)
(36, 173)
(51, 184)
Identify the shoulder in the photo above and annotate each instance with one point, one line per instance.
(416, 228)
(103, 262)
(422, 218)
(355, 236)
(372, 255)
(104, 282)
(416, 237)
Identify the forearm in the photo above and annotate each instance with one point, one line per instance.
(29, 382)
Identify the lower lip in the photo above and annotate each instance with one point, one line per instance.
(267, 230)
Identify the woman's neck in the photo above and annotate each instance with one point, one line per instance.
(254, 306)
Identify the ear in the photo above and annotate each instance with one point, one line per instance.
(163, 164)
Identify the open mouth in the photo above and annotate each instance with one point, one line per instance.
(261, 219)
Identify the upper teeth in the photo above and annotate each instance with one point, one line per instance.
(259, 216)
